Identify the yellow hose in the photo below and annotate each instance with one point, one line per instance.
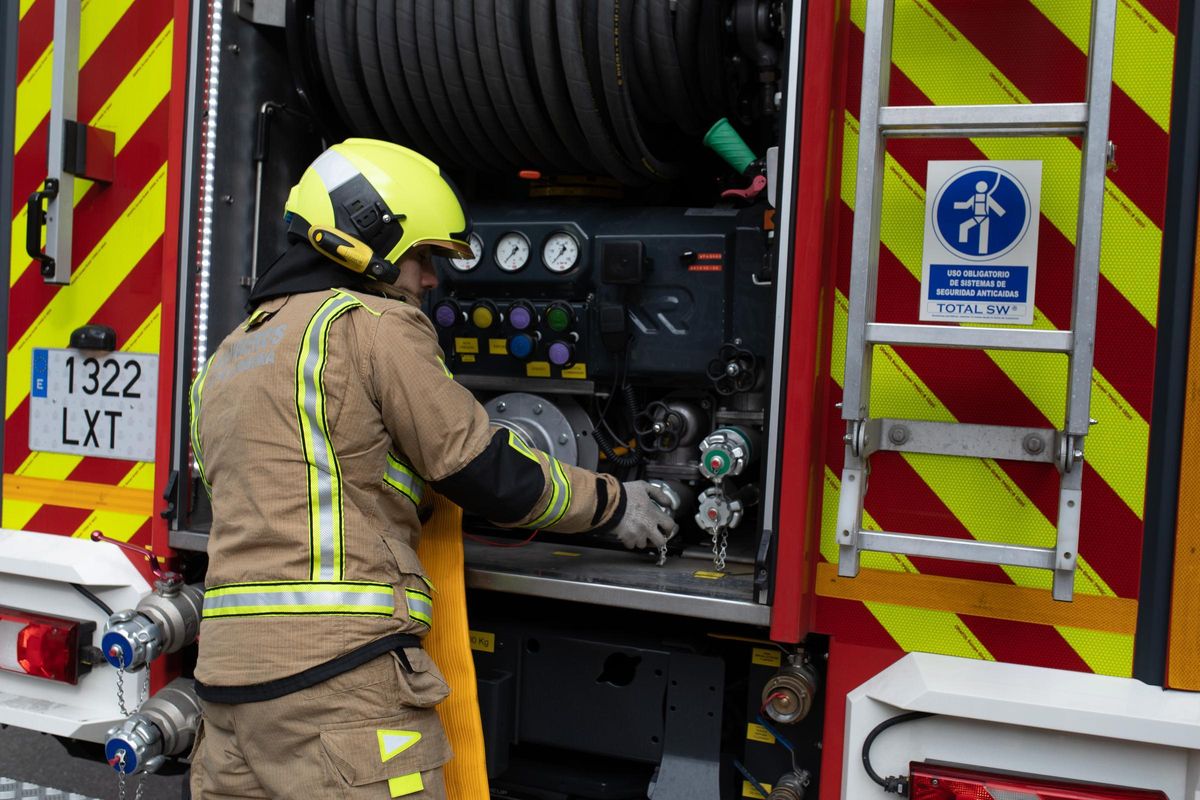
(449, 643)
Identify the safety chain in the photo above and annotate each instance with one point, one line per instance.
(121, 693)
(720, 540)
(143, 692)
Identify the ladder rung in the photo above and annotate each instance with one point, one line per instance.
(963, 439)
(957, 549)
(1045, 119)
(977, 338)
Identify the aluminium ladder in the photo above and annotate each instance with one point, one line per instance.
(864, 435)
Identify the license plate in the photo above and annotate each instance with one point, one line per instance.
(89, 403)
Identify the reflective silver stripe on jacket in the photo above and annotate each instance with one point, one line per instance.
(258, 599)
(325, 519)
(401, 477)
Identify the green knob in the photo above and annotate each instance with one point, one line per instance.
(729, 145)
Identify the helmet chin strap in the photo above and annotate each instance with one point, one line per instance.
(351, 253)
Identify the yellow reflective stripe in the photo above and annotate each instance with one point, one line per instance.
(194, 399)
(1040, 377)
(92, 282)
(445, 369)
(420, 606)
(299, 597)
(117, 524)
(25, 6)
(123, 113)
(518, 444)
(1104, 652)
(79, 494)
(326, 523)
(1130, 256)
(401, 477)
(925, 631)
(1144, 56)
(405, 785)
(560, 497)
(96, 21)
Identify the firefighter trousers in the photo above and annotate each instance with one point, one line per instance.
(372, 732)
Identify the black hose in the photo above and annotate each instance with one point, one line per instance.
(612, 45)
(587, 111)
(591, 86)
(431, 73)
(103, 606)
(395, 84)
(483, 136)
(410, 68)
(342, 46)
(896, 784)
(508, 16)
(372, 72)
(547, 63)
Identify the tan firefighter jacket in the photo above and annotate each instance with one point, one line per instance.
(316, 426)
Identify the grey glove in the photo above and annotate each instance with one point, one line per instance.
(644, 523)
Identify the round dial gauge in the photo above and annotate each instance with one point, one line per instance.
(512, 251)
(560, 253)
(468, 264)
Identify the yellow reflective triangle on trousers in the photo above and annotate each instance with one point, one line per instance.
(393, 743)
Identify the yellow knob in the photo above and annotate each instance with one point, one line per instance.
(482, 317)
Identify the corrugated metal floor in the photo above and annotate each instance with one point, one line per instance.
(16, 790)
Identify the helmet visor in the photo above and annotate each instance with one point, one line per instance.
(450, 248)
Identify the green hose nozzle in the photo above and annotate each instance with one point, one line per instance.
(729, 145)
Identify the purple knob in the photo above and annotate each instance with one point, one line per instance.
(519, 317)
(559, 354)
(446, 315)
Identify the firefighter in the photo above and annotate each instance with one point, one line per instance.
(317, 427)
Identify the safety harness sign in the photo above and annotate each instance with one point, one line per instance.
(981, 239)
(91, 403)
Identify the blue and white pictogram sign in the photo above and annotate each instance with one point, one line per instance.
(981, 237)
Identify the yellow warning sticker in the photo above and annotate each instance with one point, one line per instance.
(498, 347)
(765, 657)
(757, 733)
(467, 359)
(576, 371)
(708, 576)
(567, 554)
(538, 369)
(483, 642)
(466, 344)
(748, 790)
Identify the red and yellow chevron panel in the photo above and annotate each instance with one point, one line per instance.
(126, 62)
(949, 52)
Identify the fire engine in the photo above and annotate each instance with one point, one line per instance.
(893, 298)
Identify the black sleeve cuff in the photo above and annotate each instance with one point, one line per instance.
(617, 514)
(500, 484)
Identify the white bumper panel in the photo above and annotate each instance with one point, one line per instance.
(36, 573)
(1024, 719)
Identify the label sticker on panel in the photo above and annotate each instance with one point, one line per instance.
(88, 403)
(981, 238)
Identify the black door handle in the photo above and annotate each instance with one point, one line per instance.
(34, 220)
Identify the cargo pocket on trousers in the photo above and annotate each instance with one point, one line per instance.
(421, 684)
(394, 751)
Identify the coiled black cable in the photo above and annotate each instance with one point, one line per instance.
(895, 784)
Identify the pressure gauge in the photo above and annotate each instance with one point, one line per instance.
(512, 251)
(560, 253)
(468, 264)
